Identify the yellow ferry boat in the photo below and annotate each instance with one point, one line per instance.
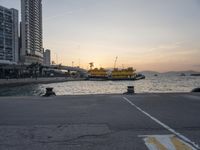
(98, 73)
(123, 74)
(116, 74)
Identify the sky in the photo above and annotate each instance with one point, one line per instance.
(159, 35)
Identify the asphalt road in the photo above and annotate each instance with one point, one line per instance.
(101, 122)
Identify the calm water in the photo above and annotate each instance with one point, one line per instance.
(162, 83)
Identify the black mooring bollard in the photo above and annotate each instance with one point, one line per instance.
(49, 92)
(130, 90)
(196, 90)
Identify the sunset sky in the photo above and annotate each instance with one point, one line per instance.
(161, 35)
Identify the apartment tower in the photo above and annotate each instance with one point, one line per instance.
(31, 32)
(9, 44)
(47, 57)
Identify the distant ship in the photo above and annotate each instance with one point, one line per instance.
(195, 75)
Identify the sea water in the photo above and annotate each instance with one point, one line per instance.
(152, 84)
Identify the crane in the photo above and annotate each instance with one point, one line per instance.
(115, 62)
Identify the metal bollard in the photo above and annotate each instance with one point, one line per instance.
(130, 90)
(49, 92)
(196, 90)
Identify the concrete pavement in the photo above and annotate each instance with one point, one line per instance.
(101, 122)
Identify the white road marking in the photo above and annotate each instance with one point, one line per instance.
(194, 145)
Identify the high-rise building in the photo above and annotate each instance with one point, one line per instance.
(47, 57)
(9, 43)
(31, 32)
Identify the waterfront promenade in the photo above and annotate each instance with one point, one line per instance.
(26, 81)
(101, 122)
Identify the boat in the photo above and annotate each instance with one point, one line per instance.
(123, 74)
(97, 74)
(195, 74)
(114, 75)
(140, 77)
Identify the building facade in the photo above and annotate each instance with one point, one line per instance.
(9, 41)
(31, 50)
(47, 57)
